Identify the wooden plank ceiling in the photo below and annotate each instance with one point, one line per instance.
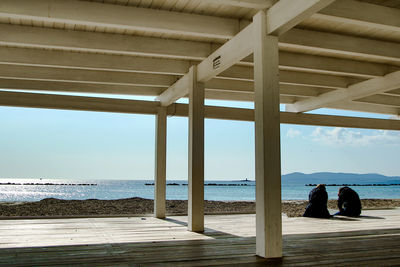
(142, 47)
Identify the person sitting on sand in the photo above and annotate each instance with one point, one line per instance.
(317, 206)
(349, 203)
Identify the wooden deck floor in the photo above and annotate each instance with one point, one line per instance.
(371, 240)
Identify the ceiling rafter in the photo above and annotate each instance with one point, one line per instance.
(333, 44)
(90, 61)
(303, 40)
(120, 17)
(366, 88)
(94, 42)
(16, 72)
(254, 4)
(362, 14)
(162, 21)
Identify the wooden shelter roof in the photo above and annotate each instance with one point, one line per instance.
(144, 47)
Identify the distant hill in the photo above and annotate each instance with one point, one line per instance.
(338, 178)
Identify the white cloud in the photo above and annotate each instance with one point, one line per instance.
(292, 133)
(342, 136)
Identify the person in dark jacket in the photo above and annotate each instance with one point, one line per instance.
(349, 203)
(317, 203)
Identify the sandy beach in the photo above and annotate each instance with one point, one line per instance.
(141, 206)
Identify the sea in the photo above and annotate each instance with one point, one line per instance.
(244, 190)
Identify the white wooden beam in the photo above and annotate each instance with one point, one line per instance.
(254, 4)
(365, 107)
(160, 163)
(230, 85)
(175, 91)
(224, 57)
(316, 64)
(120, 17)
(86, 76)
(361, 14)
(332, 44)
(381, 99)
(221, 94)
(347, 11)
(227, 55)
(246, 96)
(51, 101)
(132, 18)
(267, 141)
(79, 103)
(43, 78)
(287, 60)
(373, 86)
(296, 90)
(304, 40)
(90, 61)
(332, 66)
(160, 21)
(56, 86)
(23, 72)
(395, 92)
(338, 121)
(319, 80)
(286, 91)
(196, 153)
(225, 113)
(286, 14)
(287, 78)
(229, 95)
(34, 37)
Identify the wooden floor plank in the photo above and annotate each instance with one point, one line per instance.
(228, 240)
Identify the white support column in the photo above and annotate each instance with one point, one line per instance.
(267, 140)
(160, 163)
(196, 153)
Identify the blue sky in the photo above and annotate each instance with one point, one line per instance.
(41, 143)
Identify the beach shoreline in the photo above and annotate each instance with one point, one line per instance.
(140, 206)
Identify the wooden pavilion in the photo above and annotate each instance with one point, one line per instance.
(307, 54)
